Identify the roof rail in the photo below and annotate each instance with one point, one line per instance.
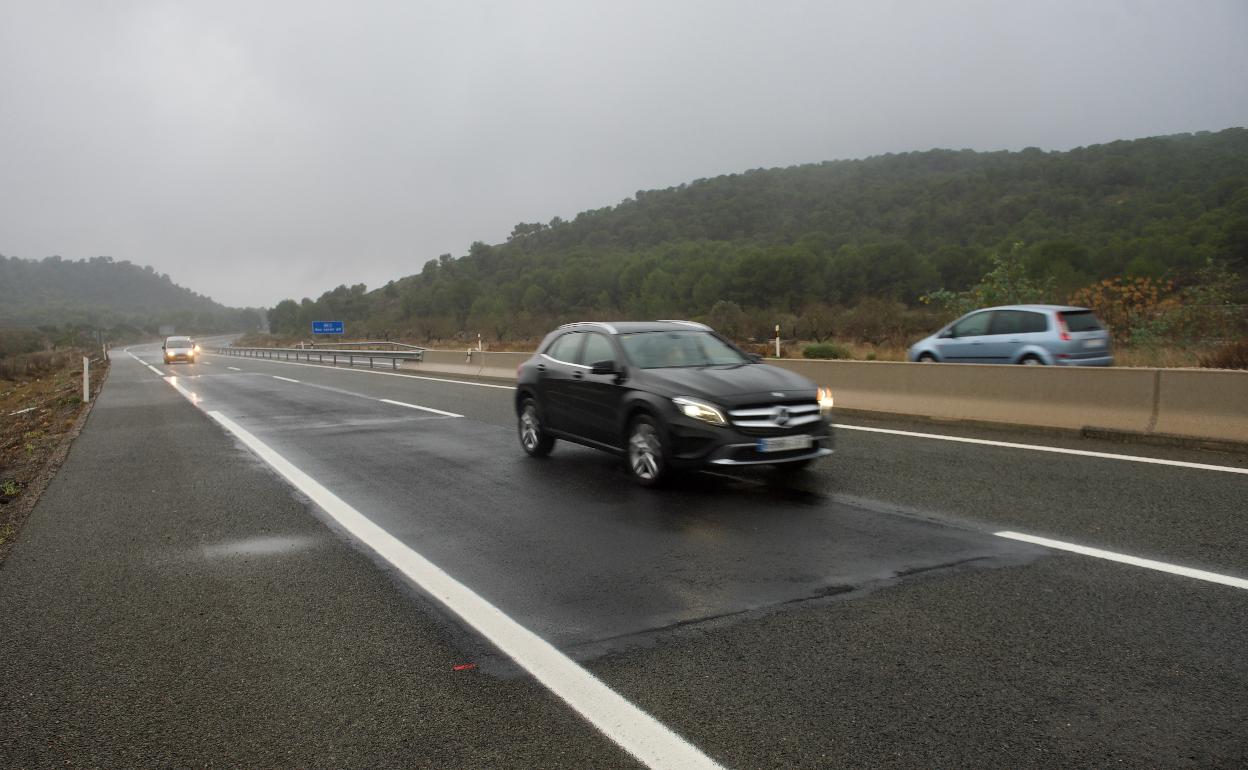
(694, 324)
(603, 324)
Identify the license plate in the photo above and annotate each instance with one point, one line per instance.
(784, 443)
(1093, 343)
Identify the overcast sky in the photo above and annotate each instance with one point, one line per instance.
(260, 150)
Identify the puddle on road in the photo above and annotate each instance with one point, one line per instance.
(259, 546)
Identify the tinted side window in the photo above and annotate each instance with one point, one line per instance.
(972, 326)
(597, 348)
(1034, 322)
(565, 348)
(1017, 322)
(1005, 322)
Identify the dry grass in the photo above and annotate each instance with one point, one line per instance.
(27, 365)
(1232, 355)
(1157, 357)
(36, 410)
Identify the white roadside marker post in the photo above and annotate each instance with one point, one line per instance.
(777, 340)
(86, 379)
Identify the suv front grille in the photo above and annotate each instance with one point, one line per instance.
(775, 417)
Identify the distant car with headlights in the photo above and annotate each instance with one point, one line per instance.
(1052, 335)
(180, 349)
(668, 395)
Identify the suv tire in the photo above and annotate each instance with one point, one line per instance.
(645, 454)
(535, 441)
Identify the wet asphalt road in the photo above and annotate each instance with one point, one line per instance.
(863, 614)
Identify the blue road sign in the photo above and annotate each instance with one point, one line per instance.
(327, 327)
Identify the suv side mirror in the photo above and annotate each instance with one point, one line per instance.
(602, 367)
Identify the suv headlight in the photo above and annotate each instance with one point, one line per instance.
(700, 410)
(824, 395)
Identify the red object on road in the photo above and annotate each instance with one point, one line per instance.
(464, 667)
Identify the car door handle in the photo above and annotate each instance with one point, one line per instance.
(541, 367)
(578, 375)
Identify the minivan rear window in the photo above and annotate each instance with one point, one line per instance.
(1081, 321)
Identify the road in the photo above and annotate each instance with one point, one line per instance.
(174, 601)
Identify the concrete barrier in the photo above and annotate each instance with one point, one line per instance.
(1203, 404)
(501, 365)
(473, 363)
(1200, 404)
(1051, 397)
(445, 362)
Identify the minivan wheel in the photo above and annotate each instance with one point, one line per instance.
(535, 441)
(646, 459)
(1031, 361)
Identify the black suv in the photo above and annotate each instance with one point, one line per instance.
(668, 395)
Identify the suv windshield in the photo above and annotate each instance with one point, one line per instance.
(661, 350)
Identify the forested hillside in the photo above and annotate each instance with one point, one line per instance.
(116, 297)
(795, 243)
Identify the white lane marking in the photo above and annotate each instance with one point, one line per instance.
(158, 372)
(632, 729)
(384, 374)
(1041, 448)
(234, 368)
(1161, 566)
(286, 379)
(206, 363)
(422, 408)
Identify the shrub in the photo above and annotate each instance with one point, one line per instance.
(1233, 355)
(1139, 309)
(36, 364)
(825, 350)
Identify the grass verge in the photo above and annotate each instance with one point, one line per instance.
(41, 410)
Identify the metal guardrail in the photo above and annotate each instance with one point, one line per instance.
(326, 355)
(340, 345)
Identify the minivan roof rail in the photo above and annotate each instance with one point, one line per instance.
(694, 324)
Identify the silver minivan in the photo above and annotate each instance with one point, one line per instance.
(1053, 335)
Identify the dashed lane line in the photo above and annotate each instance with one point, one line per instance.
(422, 408)
(1161, 566)
(1054, 449)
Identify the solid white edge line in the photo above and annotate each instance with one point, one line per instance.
(1042, 448)
(421, 408)
(632, 729)
(1161, 566)
(374, 371)
(285, 379)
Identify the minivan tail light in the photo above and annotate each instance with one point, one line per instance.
(1065, 331)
